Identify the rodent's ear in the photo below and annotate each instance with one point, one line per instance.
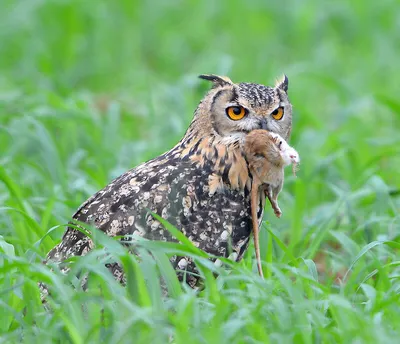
(216, 79)
(282, 83)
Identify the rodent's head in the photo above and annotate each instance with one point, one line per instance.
(261, 145)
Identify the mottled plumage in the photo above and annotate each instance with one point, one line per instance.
(201, 186)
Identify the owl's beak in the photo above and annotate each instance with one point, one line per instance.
(263, 124)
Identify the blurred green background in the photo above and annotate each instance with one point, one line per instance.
(89, 89)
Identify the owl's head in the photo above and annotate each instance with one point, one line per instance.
(230, 111)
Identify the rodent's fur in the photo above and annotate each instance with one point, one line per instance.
(267, 154)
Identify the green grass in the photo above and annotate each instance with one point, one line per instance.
(91, 89)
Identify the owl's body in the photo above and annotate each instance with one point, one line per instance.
(201, 186)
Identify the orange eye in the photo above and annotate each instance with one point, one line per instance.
(278, 113)
(236, 112)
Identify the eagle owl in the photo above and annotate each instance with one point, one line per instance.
(201, 186)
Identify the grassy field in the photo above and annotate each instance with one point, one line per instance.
(89, 89)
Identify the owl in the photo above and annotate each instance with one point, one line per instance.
(201, 185)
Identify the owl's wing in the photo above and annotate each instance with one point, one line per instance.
(178, 190)
(119, 208)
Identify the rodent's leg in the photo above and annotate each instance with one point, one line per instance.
(272, 194)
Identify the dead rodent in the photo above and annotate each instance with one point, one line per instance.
(267, 154)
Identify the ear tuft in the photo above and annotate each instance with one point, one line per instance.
(282, 83)
(216, 79)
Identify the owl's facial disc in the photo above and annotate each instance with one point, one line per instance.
(237, 109)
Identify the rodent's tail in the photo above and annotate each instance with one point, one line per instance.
(253, 205)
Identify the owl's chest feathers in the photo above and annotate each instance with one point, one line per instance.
(210, 198)
(228, 168)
